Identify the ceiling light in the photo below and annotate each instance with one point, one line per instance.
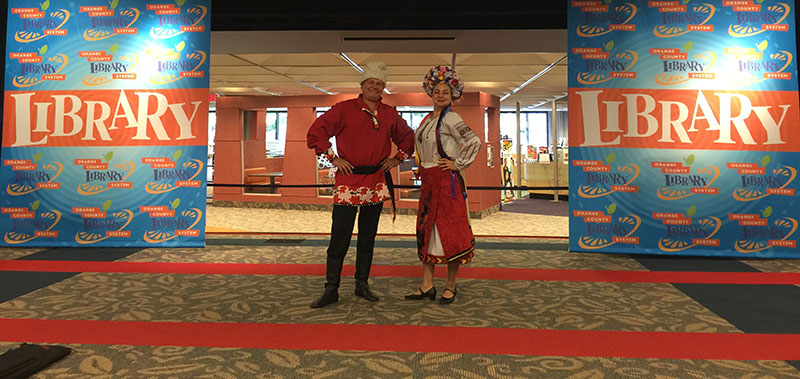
(266, 92)
(350, 61)
(529, 81)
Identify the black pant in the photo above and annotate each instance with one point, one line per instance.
(341, 231)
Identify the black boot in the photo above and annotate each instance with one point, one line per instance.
(362, 290)
(328, 297)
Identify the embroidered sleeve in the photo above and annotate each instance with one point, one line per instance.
(329, 154)
(469, 141)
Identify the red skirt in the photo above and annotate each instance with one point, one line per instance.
(442, 202)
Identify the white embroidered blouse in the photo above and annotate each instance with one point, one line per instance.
(458, 141)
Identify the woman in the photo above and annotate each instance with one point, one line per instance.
(445, 146)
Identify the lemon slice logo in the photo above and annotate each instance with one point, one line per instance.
(169, 31)
(669, 193)
(591, 191)
(786, 225)
(158, 236)
(627, 10)
(674, 244)
(197, 57)
(87, 189)
(95, 79)
(783, 58)
(671, 30)
(17, 189)
(18, 237)
(31, 79)
(708, 58)
(599, 242)
(123, 217)
(195, 165)
(628, 57)
(779, 11)
(131, 14)
(60, 15)
(750, 194)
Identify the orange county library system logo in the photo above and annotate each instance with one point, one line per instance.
(601, 17)
(685, 231)
(681, 65)
(753, 17)
(758, 183)
(603, 229)
(169, 222)
(99, 223)
(677, 18)
(37, 67)
(41, 22)
(680, 181)
(104, 68)
(32, 175)
(169, 175)
(757, 64)
(606, 63)
(28, 224)
(173, 19)
(106, 22)
(604, 179)
(99, 178)
(760, 232)
(174, 64)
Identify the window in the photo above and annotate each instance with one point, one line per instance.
(275, 138)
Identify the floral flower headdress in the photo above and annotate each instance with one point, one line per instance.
(443, 74)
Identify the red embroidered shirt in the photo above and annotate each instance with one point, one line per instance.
(363, 138)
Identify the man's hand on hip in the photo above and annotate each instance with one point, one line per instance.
(345, 168)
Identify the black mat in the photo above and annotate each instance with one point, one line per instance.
(751, 308)
(537, 206)
(17, 283)
(91, 254)
(693, 264)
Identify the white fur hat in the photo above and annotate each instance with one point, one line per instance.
(374, 70)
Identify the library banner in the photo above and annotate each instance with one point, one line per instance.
(105, 123)
(683, 127)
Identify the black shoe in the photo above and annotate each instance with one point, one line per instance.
(327, 298)
(431, 293)
(362, 290)
(448, 300)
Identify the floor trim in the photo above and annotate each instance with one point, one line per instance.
(465, 340)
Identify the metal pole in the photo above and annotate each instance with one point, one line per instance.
(519, 152)
(555, 152)
(453, 65)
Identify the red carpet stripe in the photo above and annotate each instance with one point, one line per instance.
(406, 271)
(579, 343)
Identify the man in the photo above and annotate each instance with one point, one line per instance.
(364, 128)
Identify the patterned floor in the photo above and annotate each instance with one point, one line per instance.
(282, 299)
(313, 221)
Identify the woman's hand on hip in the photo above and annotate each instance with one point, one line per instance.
(446, 164)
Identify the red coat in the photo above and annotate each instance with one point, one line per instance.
(359, 142)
